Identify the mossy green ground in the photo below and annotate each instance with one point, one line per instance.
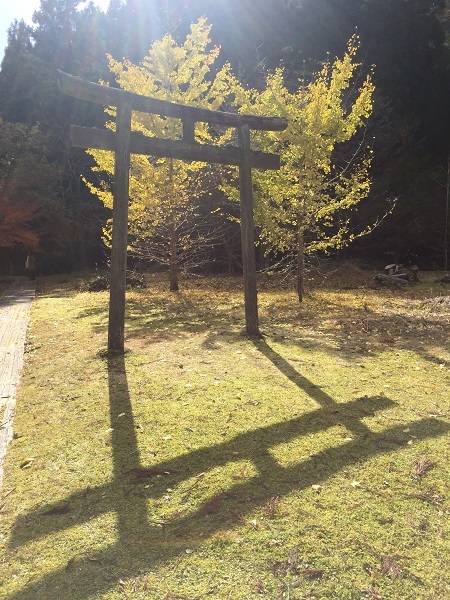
(312, 463)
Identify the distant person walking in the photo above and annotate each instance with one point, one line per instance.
(30, 266)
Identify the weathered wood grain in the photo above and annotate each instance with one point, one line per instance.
(102, 94)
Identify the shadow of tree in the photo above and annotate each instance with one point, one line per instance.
(142, 542)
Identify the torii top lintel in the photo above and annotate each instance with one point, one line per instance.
(102, 94)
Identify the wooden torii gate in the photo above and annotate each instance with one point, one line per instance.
(124, 142)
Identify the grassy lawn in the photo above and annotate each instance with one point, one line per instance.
(312, 463)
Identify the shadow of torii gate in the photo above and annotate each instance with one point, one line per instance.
(124, 143)
(144, 542)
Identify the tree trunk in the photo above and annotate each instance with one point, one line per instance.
(447, 203)
(10, 263)
(300, 265)
(261, 257)
(173, 256)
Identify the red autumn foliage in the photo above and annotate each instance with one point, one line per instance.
(14, 224)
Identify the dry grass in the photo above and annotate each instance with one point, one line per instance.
(203, 464)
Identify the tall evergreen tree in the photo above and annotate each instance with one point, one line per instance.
(17, 75)
(69, 39)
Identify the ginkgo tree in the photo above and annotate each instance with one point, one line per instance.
(306, 205)
(162, 190)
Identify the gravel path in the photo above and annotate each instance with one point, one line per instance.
(15, 306)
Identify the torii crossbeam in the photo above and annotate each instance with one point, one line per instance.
(123, 142)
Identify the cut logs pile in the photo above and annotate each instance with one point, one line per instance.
(101, 283)
(445, 279)
(398, 275)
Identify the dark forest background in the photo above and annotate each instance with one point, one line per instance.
(44, 203)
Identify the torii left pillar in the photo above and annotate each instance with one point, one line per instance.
(116, 325)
